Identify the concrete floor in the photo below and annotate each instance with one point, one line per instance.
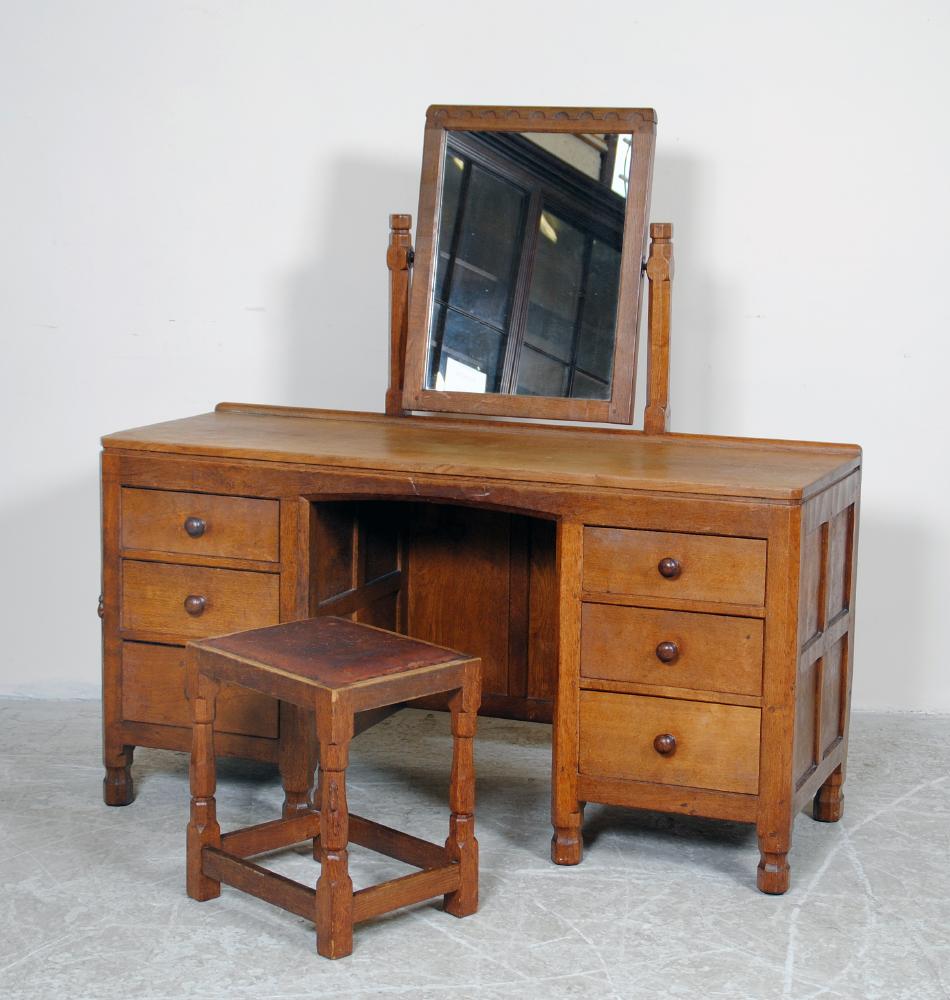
(93, 902)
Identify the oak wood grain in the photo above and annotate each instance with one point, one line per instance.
(710, 652)
(705, 567)
(550, 455)
(153, 691)
(154, 595)
(232, 527)
(717, 746)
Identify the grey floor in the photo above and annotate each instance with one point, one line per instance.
(93, 902)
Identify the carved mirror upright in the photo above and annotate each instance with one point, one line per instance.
(529, 259)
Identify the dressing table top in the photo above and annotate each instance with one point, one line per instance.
(732, 467)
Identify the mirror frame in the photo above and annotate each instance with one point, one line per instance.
(441, 119)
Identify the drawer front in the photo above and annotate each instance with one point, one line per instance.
(200, 524)
(716, 746)
(222, 600)
(153, 691)
(672, 649)
(694, 567)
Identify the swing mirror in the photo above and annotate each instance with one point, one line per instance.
(529, 253)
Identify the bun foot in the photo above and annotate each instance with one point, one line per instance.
(117, 789)
(827, 808)
(566, 846)
(828, 804)
(773, 874)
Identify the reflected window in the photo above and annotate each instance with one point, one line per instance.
(528, 264)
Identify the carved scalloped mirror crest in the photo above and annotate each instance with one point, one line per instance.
(530, 245)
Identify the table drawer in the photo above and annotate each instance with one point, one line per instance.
(153, 691)
(670, 564)
(154, 597)
(200, 524)
(672, 648)
(715, 746)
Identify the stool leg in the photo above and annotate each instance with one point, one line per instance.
(334, 887)
(461, 844)
(318, 798)
(295, 758)
(203, 829)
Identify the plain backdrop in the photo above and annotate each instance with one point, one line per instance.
(193, 207)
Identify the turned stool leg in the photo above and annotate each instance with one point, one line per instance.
(203, 829)
(296, 758)
(461, 844)
(828, 806)
(317, 798)
(334, 887)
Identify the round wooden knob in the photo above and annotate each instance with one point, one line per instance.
(669, 568)
(667, 652)
(195, 526)
(664, 744)
(195, 604)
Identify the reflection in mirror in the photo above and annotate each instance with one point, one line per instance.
(528, 266)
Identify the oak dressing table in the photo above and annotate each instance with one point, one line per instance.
(680, 607)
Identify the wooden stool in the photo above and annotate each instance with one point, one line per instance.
(333, 668)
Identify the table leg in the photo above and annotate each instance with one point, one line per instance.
(117, 787)
(828, 806)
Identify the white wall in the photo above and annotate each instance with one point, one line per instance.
(194, 201)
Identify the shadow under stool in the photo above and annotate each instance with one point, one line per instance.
(332, 669)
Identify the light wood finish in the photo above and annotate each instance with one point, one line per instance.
(713, 746)
(641, 124)
(488, 451)
(656, 414)
(192, 524)
(154, 599)
(703, 567)
(325, 670)
(153, 684)
(672, 649)
(364, 497)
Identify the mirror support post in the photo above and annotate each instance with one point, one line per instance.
(399, 260)
(656, 415)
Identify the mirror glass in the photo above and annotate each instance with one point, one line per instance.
(528, 263)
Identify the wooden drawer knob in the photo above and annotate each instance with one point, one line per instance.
(664, 744)
(195, 604)
(195, 526)
(667, 652)
(669, 568)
